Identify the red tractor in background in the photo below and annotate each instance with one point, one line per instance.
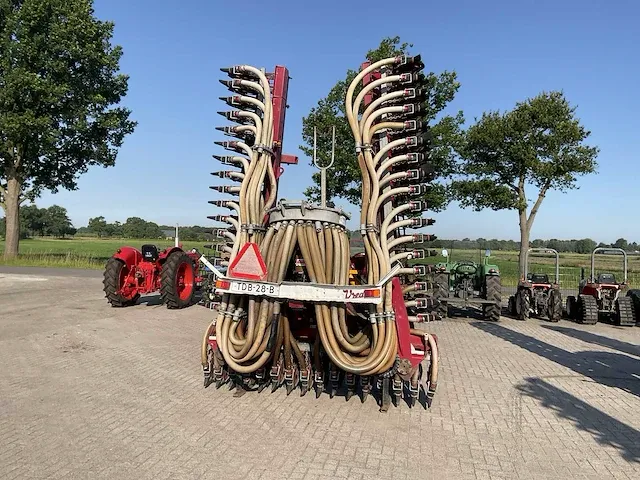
(173, 272)
(536, 294)
(601, 294)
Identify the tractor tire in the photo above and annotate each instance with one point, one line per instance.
(178, 280)
(491, 311)
(441, 293)
(554, 305)
(625, 314)
(511, 306)
(523, 305)
(114, 274)
(572, 307)
(587, 311)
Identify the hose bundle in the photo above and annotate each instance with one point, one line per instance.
(253, 332)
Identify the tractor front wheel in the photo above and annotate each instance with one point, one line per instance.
(523, 306)
(587, 310)
(625, 316)
(511, 306)
(441, 293)
(178, 280)
(554, 305)
(115, 276)
(571, 307)
(491, 311)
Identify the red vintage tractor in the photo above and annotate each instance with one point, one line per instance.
(602, 294)
(173, 272)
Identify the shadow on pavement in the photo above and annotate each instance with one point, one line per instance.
(606, 368)
(594, 339)
(605, 429)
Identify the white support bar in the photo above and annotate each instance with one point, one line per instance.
(209, 265)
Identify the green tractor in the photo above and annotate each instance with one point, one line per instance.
(468, 284)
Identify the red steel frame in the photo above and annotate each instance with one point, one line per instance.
(279, 81)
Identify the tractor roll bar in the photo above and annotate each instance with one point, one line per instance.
(612, 251)
(542, 250)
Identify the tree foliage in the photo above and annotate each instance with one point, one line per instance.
(59, 84)
(539, 143)
(136, 227)
(343, 180)
(34, 221)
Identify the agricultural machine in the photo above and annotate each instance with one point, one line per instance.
(467, 284)
(295, 308)
(602, 294)
(535, 294)
(173, 272)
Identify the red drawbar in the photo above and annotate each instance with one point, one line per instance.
(405, 338)
(249, 263)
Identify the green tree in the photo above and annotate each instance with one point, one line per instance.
(114, 229)
(57, 221)
(539, 143)
(344, 178)
(621, 243)
(59, 83)
(134, 227)
(98, 225)
(152, 230)
(538, 243)
(586, 245)
(33, 220)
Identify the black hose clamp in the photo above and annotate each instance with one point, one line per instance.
(370, 227)
(260, 148)
(251, 227)
(391, 316)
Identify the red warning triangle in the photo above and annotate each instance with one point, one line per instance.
(248, 264)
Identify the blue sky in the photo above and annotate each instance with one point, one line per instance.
(503, 52)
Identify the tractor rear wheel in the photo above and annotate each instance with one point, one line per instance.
(441, 293)
(115, 274)
(571, 307)
(523, 306)
(554, 305)
(491, 311)
(625, 315)
(178, 280)
(587, 311)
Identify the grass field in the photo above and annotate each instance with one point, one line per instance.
(93, 253)
(78, 252)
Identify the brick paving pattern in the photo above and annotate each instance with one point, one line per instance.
(87, 391)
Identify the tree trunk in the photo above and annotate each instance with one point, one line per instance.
(12, 211)
(524, 242)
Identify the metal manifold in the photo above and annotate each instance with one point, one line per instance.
(294, 306)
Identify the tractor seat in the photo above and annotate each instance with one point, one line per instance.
(149, 253)
(606, 278)
(539, 278)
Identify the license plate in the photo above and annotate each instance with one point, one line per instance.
(254, 288)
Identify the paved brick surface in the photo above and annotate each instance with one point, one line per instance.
(87, 391)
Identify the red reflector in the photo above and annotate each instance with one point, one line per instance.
(223, 284)
(248, 264)
(372, 293)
